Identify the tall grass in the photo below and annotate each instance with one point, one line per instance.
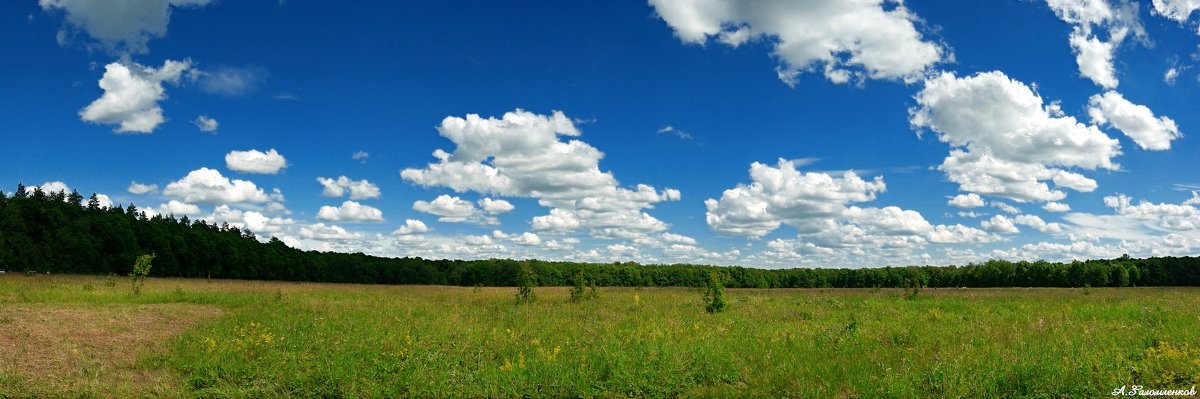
(323, 340)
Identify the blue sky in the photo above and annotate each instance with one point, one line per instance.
(1016, 129)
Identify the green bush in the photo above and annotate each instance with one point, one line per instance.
(141, 269)
(526, 280)
(714, 294)
(577, 289)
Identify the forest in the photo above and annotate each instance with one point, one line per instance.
(62, 233)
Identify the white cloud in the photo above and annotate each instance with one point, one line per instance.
(139, 188)
(1136, 121)
(52, 187)
(526, 238)
(1038, 224)
(360, 156)
(1093, 55)
(842, 38)
(264, 225)
(359, 189)
(1000, 224)
(1005, 141)
(255, 161)
(1056, 207)
(828, 228)
(206, 124)
(350, 211)
(120, 26)
(1170, 76)
(104, 200)
(131, 96)
(495, 206)
(521, 155)
(232, 81)
(676, 132)
(966, 201)
(177, 208)
(1177, 10)
(1006, 208)
(783, 194)
(450, 209)
(1095, 59)
(411, 227)
(678, 239)
(557, 220)
(208, 186)
(322, 232)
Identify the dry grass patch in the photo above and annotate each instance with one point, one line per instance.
(50, 349)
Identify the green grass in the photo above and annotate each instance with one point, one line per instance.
(326, 340)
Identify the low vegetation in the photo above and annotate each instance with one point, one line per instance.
(230, 338)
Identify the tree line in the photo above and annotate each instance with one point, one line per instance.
(62, 233)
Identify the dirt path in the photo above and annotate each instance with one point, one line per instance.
(48, 348)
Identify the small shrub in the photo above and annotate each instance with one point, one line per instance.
(577, 290)
(593, 293)
(914, 283)
(526, 280)
(110, 280)
(141, 269)
(714, 294)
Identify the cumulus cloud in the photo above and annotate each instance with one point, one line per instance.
(208, 186)
(255, 161)
(206, 124)
(495, 206)
(411, 227)
(255, 221)
(104, 200)
(119, 26)
(139, 188)
(678, 239)
(358, 189)
(350, 211)
(966, 201)
(1005, 141)
(360, 156)
(526, 238)
(1006, 208)
(521, 155)
(844, 39)
(1093, 55)
(783, 194)
(1056, 207)
(52, 187)
(175, 207)
(1000, 224)
(1136, 121)
(131, 96)
(321, 232)
(818, 206)
(1037, 223)
(452, 210)
(1177, 10)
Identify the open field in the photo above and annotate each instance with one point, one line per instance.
(77, 336)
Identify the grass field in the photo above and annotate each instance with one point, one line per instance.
(76, 336)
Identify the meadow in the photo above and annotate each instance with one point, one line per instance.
(89, 336)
